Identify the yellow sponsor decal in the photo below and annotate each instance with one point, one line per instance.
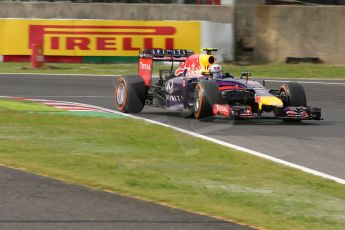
(96, 37)
(269, 100)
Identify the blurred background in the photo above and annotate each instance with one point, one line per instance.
(208, 2)
(245, 31)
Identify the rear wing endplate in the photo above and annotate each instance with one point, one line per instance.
(148, 56)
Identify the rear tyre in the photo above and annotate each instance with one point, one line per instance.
(292, 94)
(206, 94)
(130, 94)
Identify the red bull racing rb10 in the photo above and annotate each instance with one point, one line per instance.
(199, 88)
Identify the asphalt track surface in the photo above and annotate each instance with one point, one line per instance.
(318, 145)
(28, 201)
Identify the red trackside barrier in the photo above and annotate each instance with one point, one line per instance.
(37, 57)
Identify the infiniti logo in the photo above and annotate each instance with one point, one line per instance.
(169, 87)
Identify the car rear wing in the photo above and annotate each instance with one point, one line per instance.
(148, 56)
(166, 55)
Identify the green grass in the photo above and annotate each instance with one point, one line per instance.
(34, 107)
(261, 71)
(27, 106)
(291, 70)
(69, 68)
(159, 164)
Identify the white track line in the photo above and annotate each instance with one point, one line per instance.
(309, 82)
(229, 145)
(75, 108)
(211, 139)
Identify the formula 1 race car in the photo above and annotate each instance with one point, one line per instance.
(199, 88)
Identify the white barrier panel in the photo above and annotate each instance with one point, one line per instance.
(221, 36)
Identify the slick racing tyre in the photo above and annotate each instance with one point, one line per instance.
(292, 94)
(206, 94)
(130, 94)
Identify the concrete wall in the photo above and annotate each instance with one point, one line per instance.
(224, 14)
(275, 32)
(244, 22)
(300, 31)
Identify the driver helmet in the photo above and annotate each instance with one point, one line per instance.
(216, 71)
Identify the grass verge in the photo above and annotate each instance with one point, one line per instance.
(136, 158)
(27, 106)
(262, 71)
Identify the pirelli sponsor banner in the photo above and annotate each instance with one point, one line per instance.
(96, 37)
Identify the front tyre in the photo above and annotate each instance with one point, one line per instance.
(130, 94)
(292, 94)
(206, 94)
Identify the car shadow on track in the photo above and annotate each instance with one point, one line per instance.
(275, 122)
(159, 115)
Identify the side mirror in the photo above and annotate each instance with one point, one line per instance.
(228, 75)
(246, 74)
